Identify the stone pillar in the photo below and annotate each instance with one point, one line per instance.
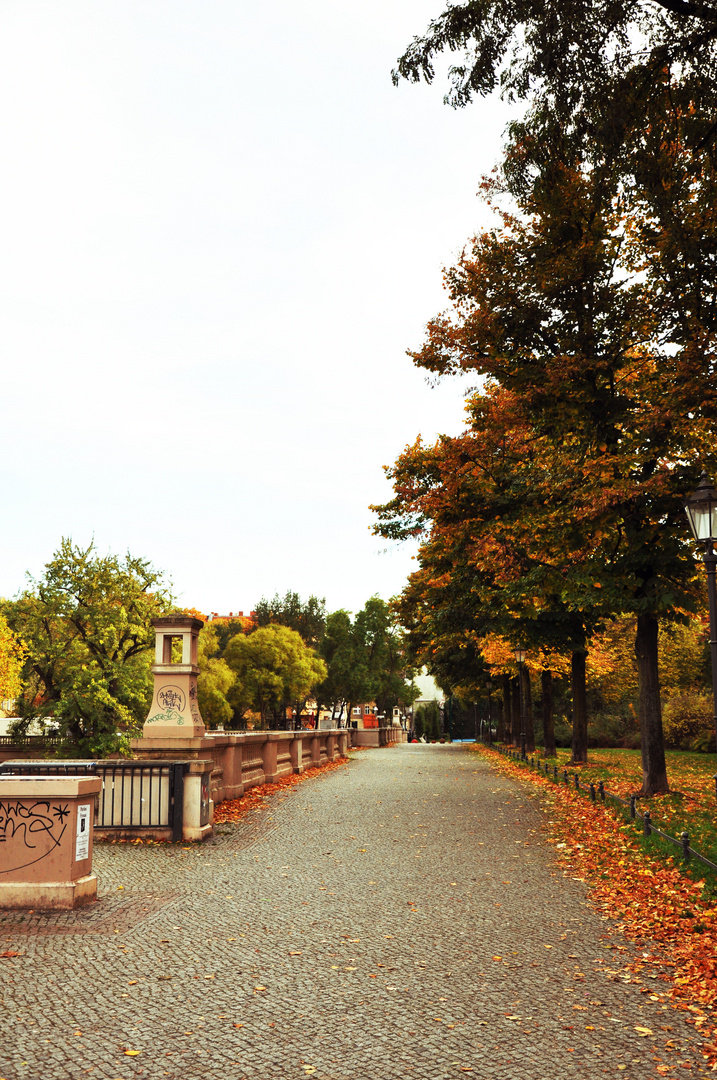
(315, 750)
(198, 806)
(175, 713)
(297, 759)
(343, 743)
(46, 825)
(269, 754)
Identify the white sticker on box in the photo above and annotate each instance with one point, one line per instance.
(82, 841)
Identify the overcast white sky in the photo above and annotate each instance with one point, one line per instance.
(221, 228)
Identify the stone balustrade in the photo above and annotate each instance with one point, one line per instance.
(243, 759)
(380, 736)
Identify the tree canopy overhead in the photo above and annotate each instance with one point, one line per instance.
(564, 52)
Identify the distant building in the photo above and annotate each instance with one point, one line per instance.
(429, 690)
(247, 621)
(364, 716)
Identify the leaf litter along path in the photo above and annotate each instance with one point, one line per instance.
(402, 916)
(661, 909)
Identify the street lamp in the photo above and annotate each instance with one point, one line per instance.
(489, 687)
(520, 654)
(701, 510)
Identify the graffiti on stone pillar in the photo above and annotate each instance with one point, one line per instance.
(172, 700)
(171, 697)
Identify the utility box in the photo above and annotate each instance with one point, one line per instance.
(46, 831)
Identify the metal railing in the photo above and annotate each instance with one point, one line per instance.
(34, 741)
(600, 793)
(141, 794)
(134, 795)
(44, 767)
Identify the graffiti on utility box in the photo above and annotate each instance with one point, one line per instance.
(30, 831)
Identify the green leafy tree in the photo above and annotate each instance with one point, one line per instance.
(215, 681)
(306, 617)
(366, 659)
(273, 668)
(12, 656)
(87, 627)
(381, 648)
(347, 674)
(225, 631)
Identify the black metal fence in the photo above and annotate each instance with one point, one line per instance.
(599, 793)
(135, 795)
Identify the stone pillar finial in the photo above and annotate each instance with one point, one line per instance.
(175, 712)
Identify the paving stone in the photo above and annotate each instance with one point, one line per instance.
(417, 896)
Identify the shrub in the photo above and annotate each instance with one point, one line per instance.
(610, 729)
(432, 720)
(563, 732)
(688, 721)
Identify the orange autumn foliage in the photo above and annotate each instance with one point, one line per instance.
(233, 810)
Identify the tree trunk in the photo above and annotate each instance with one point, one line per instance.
(546, 691)
(528, 703)
(652, 742)
(515, 709)
(507, 711)
(580, 710)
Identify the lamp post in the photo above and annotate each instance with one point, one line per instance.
(520, 657)
(701, 510)
(475, 718)
(489, 687)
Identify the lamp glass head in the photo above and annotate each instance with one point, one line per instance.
(701, 510)
(520, 654)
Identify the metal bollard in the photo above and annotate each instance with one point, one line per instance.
(565, 775)
(632, 806)
(592, 792)
(601, 790)
(647, 830)
(555, 773)
(577, 782)
(685, 841)
(532, 763)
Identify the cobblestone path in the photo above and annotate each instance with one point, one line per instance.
(400, 917)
